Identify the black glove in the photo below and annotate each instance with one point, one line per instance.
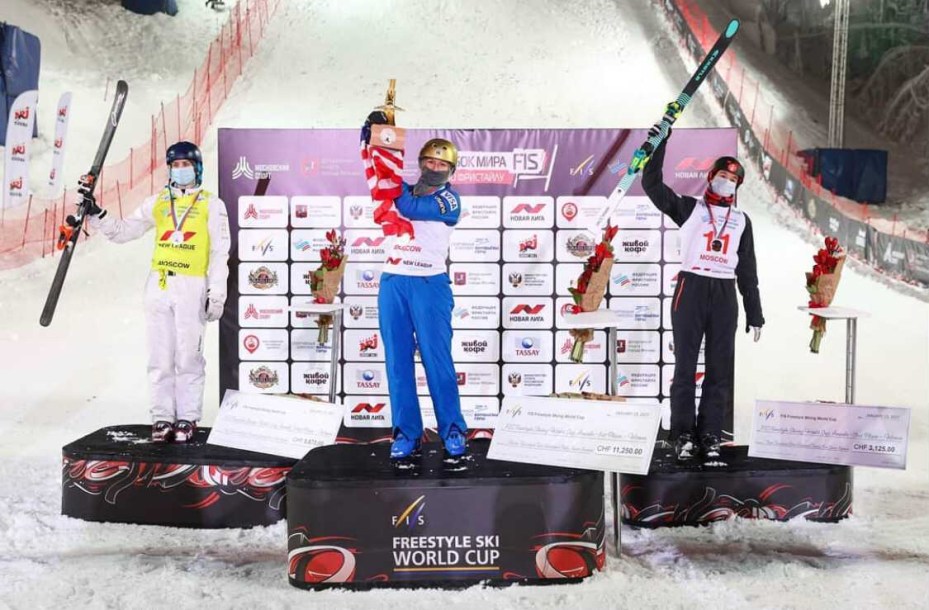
(90, 204)
(378, 117)
(655, 129)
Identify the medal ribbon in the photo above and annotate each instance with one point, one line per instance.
(179, 225)
(716, 234)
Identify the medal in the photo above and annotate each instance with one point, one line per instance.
(177, 237)
(717, 245)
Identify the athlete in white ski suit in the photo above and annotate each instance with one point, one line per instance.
(186, 287)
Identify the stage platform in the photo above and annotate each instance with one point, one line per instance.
(118, 474)
(356, 522)
(746, 487)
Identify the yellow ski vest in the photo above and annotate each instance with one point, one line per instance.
(182, 236)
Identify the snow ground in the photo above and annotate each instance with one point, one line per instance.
(511, 63)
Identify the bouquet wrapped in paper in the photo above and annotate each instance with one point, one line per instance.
(822, 283)
(325, 280)
(590, 287)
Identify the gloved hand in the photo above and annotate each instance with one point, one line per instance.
(756, 330)
(377, 117)
(215, 303)
(90, 203)
(655, 130)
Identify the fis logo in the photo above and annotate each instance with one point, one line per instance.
(581, 382)
(264, 246)
(412, 515)
(766, 414)
(584, 168)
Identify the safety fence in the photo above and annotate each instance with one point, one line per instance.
(123, 185)
(883, 243)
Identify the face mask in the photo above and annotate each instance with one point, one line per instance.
(183, 176)
(723, 187)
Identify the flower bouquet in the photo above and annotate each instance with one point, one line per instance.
(325, 281)
(821, 284)
(590, 288)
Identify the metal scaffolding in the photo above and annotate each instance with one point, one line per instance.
(837, 90)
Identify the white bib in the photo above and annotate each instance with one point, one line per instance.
(710, 241)
(423, 255)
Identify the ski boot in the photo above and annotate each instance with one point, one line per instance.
(162, 432)
(405, 452)
(684, 447)
(184, 431)
(456, 450)
(709, 445)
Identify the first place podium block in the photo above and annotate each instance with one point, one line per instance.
(117, 474)
(355, 522)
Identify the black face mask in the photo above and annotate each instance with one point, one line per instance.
(430, 179)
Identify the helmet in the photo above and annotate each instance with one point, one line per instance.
(441, 149)
(729, 164)
(188, 151)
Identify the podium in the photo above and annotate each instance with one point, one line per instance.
(354, 522)
(118, 474)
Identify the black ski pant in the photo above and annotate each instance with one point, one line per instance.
(702, 307)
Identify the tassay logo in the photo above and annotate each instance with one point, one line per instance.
(412, 515)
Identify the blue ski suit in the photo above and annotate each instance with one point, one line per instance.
(415, 308)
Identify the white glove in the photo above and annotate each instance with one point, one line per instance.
(757, 331)
(214, 306)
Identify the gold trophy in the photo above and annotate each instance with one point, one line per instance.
(389, 136)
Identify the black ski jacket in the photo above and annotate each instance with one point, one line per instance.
(679, 208)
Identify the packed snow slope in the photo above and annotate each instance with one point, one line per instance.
(477, 64)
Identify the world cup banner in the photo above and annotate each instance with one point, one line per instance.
(527, 196)
(58, 152)
(18, 144)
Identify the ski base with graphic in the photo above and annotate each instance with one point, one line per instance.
(117, 474)
(355, 521)
(738, 486)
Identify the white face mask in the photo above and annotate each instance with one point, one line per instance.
(183, 176)
(723, 187)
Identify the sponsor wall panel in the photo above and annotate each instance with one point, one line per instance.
(527, 197)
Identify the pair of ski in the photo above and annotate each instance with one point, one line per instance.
(640, 157)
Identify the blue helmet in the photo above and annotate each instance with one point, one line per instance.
(190, 152)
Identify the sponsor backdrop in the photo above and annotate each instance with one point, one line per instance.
(527, 195)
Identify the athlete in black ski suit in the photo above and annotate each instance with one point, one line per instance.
(717, 254)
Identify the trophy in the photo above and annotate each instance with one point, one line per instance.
(389, 135)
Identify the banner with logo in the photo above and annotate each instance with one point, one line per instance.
(61, 132)
(18, 144)
(502, 523)
(526, 194)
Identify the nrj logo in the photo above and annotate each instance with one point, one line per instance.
(766, 414)
(412, 515)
